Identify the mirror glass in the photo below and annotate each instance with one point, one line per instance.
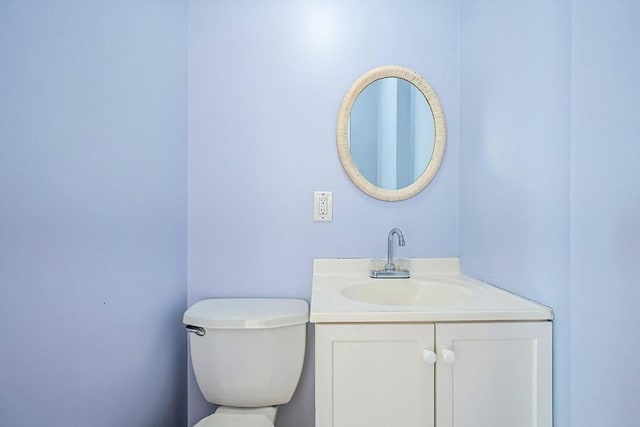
(391, 133)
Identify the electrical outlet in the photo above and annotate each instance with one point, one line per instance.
(322, 206)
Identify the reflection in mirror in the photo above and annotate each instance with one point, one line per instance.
(391, 133)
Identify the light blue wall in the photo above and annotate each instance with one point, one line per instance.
(549, 195)
(605, 214)
(514, 157)
(264, 93)
(92, 213)
(94, 120)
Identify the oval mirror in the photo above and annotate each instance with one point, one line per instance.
(391, 133)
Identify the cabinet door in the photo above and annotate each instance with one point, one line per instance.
(374, 375)
(501, 375)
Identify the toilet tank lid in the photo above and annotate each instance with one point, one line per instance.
(247, 313)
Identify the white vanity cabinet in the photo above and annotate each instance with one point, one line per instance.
(449, 374)
(438, 349)
(373, 375)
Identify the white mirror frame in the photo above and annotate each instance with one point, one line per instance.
(342, 133)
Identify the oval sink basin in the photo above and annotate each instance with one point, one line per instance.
(409, 292)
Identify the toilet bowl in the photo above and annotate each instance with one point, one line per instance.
(222, 420)
(240, 417)
(247, 356)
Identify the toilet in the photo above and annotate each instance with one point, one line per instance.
(247, 356)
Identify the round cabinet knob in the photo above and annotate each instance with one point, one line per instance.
(429, 356)
(448, 356)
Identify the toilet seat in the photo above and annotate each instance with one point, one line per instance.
(229, 420)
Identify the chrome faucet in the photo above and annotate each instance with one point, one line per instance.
(390, 270)
(397, 232)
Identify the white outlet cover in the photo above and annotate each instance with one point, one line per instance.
(322, 200)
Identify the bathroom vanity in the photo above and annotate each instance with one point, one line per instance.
(437, 349)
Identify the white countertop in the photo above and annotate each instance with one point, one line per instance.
(444, 295)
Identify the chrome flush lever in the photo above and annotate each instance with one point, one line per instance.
(196, 330)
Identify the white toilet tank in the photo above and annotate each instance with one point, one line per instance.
(252, 350)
